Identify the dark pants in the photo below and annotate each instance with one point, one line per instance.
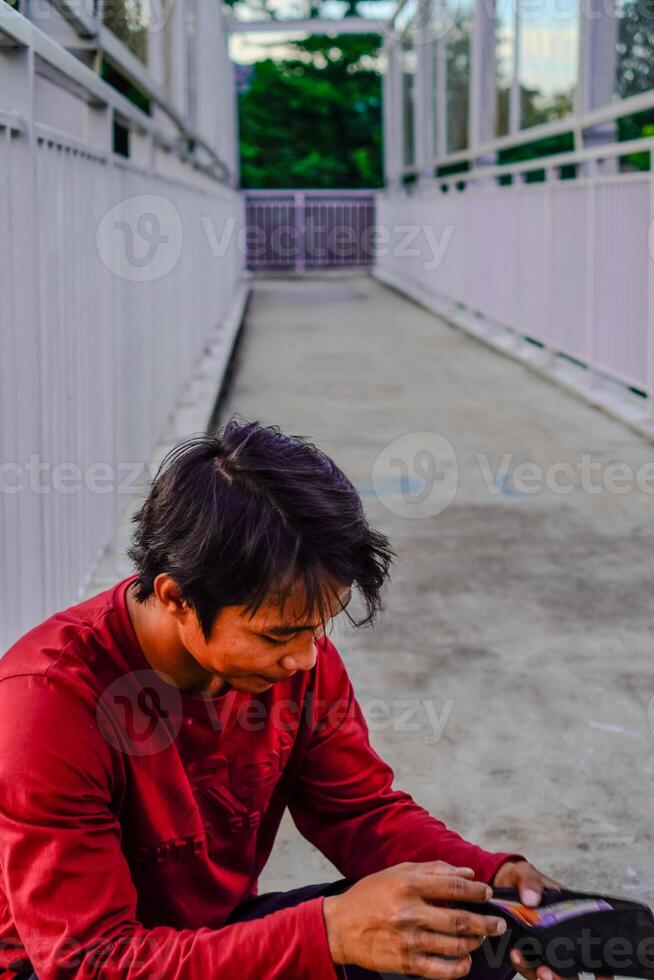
(256, 908)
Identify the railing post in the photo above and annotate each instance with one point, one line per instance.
(515, 92)
(440, 128)
(481, 124)
(424, 86)
(299, 210)
(25, 510)
(591, 171)
(650, 290)
(550, 181)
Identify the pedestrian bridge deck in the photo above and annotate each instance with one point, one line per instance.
(509, 679)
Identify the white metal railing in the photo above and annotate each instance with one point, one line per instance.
(307, 25)
(114, 274)
(595, 104)
(568, 263)
(17, 30)
(298, 230)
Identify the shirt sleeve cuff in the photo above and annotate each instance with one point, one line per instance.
(316, 956)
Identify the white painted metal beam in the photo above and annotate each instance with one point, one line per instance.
(135, 71)
(424, 130)
(308, 25)
(56, 62)
(481, 123)
(84, 23)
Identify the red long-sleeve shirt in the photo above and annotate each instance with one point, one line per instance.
(134, 818)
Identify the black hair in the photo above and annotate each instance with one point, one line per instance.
(248, 512)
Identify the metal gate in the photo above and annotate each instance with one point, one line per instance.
(298, 230)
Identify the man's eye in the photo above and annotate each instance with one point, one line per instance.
(272, 641)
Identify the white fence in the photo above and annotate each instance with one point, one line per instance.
(568, 263)
(112, 279)
(309, 229)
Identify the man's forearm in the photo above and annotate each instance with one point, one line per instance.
(390, 831)
(291, 942)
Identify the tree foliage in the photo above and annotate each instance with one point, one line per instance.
(635, 48)
(635, 72)
(314, 120)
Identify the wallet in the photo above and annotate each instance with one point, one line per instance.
(571, 933)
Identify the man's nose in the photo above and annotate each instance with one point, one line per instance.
(301, 660)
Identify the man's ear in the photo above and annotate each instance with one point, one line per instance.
(169, 595)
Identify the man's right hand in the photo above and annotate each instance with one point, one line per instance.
(391, 921)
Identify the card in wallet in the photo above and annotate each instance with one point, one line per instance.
(573, 932)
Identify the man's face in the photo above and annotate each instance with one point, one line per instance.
(251, 653)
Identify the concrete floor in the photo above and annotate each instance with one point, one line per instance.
(518, 622)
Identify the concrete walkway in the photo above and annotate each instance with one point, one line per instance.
(510, 677)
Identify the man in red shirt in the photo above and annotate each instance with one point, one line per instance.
(152, 737)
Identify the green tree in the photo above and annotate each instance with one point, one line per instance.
(459, 46)
(635, 48)
(314, 120)
(635, 72)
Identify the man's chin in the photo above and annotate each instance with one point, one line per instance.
(252, 685)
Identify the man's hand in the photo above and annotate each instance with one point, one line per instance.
(530, 884)
(527, 879)
(388, 922)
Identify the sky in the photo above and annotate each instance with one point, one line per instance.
(549, 36)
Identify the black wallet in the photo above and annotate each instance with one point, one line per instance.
(571, 933)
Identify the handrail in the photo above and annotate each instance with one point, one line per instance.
(567, 124)
(56, 137)
(86, 24)
(119, 54)
(26, 34)
(308, 25)
(321, 192)
(574, 157)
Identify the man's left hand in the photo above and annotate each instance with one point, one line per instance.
(527, 879)
(530, 884)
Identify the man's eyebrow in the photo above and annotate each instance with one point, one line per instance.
(288, 630)
(285, 630)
